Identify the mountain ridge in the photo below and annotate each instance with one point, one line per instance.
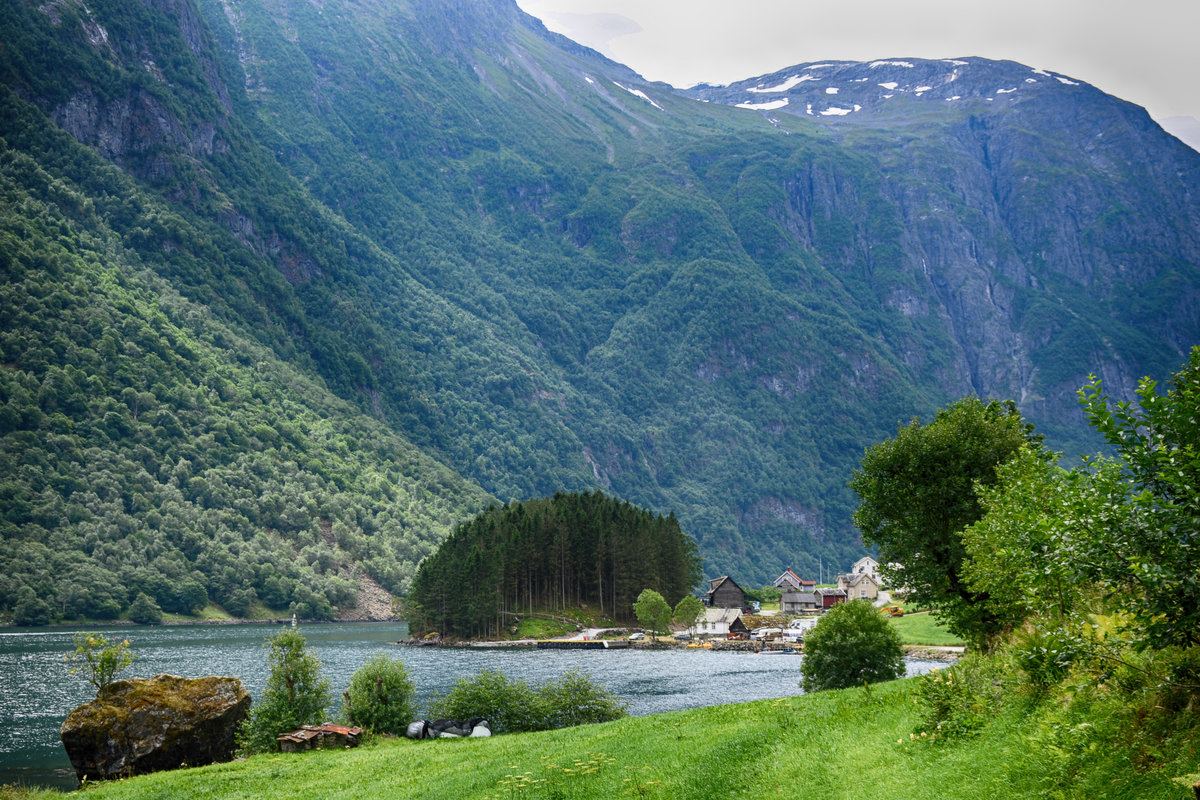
(546, 273)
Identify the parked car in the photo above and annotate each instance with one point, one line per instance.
(633, 637)
(683, 635)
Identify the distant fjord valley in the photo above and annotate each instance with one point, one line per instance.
(291, 291)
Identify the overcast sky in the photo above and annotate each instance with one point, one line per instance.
(1144, 51)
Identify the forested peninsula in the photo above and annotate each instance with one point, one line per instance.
(558, 552)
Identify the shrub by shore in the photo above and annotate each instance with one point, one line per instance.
(1071, 742)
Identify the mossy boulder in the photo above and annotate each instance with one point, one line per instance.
(151, 724)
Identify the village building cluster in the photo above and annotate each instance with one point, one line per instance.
(725, 602)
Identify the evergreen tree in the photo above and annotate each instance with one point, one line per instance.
(553, 552)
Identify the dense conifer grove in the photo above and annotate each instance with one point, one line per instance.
(551, 553)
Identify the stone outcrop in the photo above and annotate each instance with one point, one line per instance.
(151, 724)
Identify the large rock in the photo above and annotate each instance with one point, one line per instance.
(150, 724)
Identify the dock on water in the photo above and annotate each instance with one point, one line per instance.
(582, 644)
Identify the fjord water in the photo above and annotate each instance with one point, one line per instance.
(36, 693)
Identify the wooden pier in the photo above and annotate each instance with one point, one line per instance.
(582, 644)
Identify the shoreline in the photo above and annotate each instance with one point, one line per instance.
(9, 627)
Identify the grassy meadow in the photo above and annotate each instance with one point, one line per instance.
(841, 744)
(924, 628)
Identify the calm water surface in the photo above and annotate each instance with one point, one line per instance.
(36, 693)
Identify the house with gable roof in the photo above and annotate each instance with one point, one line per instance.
(789, 581)
(805, 602)
(719, 623)
(830, 597)
(867, 565)
(859, 585)
(723, 592)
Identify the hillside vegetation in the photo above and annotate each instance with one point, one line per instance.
(291, 289)
(833, 744)
(147, 446)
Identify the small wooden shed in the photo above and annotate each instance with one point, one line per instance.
(310, 737)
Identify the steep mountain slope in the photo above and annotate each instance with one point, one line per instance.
(1056, 227)
(549, 274)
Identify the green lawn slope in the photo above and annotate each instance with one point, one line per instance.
(924, 629)
(844, 744)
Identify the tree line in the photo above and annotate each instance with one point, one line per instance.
(550, 553)
(974, 515)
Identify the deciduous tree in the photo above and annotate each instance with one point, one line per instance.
(687, 611)
(653, 611)
(297, 693)
(97, 659)
(918, 491)
(380, 696)
(1151, 559)
(853, 644)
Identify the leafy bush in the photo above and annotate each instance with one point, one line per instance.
(1046, 656)
(575, 699)
(98, 659)
(962, 699)
(380, 696)
(853, 644)
(512, 705)
(296, 694)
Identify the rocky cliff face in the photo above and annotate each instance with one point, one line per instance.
(1015, 186)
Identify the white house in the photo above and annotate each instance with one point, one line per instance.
(859, 585)
(866, 566)
(719, 623)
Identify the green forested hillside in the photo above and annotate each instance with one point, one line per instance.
(145, 445)
(446, 256)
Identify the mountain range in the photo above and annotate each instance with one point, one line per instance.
(292, 288)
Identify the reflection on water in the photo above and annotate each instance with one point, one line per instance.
(36, 693)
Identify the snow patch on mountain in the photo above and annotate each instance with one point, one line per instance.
(795, 80)
(638, 93)
(770, 105)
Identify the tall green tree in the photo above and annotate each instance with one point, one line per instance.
(297, 693)
(653, 611)
(144, 611)
(687, 611)
(918, 491)
(1150, 557)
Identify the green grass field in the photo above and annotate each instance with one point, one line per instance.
(829, 745)
(923, 628)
